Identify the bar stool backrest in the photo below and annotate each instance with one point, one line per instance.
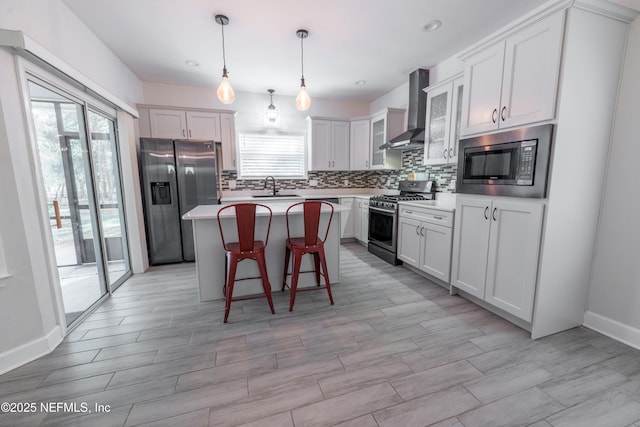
(245, 214)
(311, 215)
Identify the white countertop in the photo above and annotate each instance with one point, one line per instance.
(278, 208)
(296, 196)
(443, 202)
(431, 204)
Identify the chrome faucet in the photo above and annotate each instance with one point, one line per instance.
(274, 184)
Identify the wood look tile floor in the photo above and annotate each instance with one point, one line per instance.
(395, 350)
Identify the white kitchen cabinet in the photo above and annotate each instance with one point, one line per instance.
(359, 144)
(495, 251)
(364, 221)
(361, 219)
(168, 123)
(444, 109)
(409, 241)
(228, 139)
(470, 245)
(194, 124)
(513, 82)
(425, 240)
(329, 144)
(184, 124)
(385, 125)
(347, 219)
(435, 255)
(203, 125)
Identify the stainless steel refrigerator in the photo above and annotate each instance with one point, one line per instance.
(176, 176)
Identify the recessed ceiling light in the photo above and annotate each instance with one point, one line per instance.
(361, 82)
(433, 25)
(192, 63)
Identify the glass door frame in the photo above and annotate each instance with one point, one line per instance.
(126, 253)
(66, 87)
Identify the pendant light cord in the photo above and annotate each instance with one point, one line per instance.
(224, 56)
(302, 56)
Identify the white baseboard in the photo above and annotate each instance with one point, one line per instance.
(612, 328)
(25, 353)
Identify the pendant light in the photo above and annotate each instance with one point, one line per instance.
(225, 91)
(303, 101)
(272, 112)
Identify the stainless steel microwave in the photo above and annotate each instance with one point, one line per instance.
(512, 163)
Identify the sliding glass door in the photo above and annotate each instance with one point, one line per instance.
(109, 191)
(79, 165)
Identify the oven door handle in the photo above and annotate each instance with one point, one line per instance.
(384, 211)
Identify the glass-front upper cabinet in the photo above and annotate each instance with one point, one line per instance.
(444, 110)
(384, 126)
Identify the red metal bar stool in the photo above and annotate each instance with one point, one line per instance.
(311, 243)
(245, 248)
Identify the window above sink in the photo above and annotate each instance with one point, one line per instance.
(279, 155)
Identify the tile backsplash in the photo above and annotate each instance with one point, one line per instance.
(444, 175)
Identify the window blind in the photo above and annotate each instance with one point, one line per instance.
(279, 155)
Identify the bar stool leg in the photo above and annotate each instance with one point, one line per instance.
(326, 272)
(287, 255)
(316, 260)
(265, 280)
(226, 275)
(297, 259)
(233, 264)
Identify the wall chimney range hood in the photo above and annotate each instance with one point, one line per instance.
(414, 136)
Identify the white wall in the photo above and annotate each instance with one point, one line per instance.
(614, 300)
(52, 25)
(27, 311)
(29, 322)
(445, 69)
(396, 98)
(251, 106)
(399, 97)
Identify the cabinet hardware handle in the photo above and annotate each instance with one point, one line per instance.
(333, 164)
(445, 153)
(504, 110)
(422, 231)
(437, 217)
(494, 214)
(183, 133)
(189, 133)
(485, 212)
(409, 212)
(450, 152)
(494, 115)
(329, 164)
(366, 163)
(417, 230)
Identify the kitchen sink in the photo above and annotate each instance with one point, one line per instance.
(264, 196)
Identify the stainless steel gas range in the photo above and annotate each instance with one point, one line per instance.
(383, 217)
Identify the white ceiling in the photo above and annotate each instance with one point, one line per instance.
(379, 41)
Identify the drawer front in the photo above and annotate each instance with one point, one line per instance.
(432, 216)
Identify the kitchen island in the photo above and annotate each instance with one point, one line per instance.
(210, 258)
